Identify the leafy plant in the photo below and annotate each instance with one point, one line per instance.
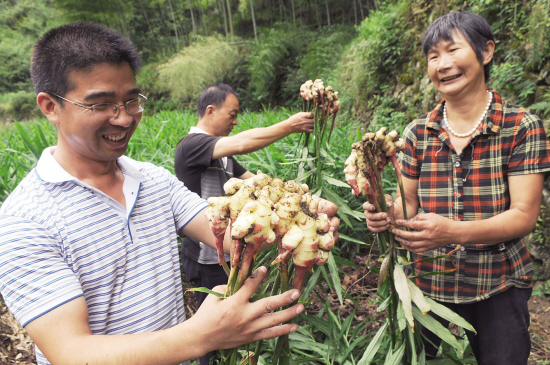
(205, 62)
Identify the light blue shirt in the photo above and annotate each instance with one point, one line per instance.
(61, 238)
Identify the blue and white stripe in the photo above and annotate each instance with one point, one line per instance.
(61, 238)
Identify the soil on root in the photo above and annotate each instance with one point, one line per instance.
(16, 347)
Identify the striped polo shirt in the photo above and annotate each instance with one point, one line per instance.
(473, 185)
(60, 239)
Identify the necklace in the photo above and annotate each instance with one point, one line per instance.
(467, 134)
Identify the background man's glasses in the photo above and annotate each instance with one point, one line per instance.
(111, 110)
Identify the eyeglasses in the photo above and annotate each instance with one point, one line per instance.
(111, 110)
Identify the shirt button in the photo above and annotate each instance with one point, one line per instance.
(457, 164)
(458, 195)
(462, 248)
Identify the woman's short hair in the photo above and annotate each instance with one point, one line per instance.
(473, 27)
(77, 46)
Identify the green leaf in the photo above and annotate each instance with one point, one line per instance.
(449, 315)
(437, 328)
(208, 291)
(394, 358)
(311, 283)
(401, 317)
(351, 239)
(402, 289)
(418, 297)
(374, 345)
(333, 269)
(335, 182)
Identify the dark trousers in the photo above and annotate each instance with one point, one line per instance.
(502, 325)
(207, 276)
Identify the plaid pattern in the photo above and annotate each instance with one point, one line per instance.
(474, 186)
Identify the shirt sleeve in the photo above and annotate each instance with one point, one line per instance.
(34, 276)
(408, 159)
(530, 153)
(238, 169)
(198, 149)
(185, 203)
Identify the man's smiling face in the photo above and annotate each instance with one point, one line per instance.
(94, 136)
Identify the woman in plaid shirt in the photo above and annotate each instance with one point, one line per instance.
(473, 169)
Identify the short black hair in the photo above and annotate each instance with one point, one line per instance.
(214, 94)
(77, 46)
(473, 27)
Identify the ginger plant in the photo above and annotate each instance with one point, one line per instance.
(363, 168)
(324, 104)
(258, 212)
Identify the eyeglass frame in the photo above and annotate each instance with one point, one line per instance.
(117, 105)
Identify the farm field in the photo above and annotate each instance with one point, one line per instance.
(155, 140)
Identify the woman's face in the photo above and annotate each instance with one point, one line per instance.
(454, 67)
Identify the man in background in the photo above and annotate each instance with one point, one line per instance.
(89, 261)
(204, 162)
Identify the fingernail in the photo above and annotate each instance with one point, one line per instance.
(299, 308)
(293, 328)
(295, 295)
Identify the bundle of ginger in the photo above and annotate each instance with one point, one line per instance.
(261, 210)
(367, 160)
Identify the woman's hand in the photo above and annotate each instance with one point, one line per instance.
(428, 232)
(378, 222)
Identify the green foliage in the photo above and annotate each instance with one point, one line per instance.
(186, 74)
(323, 53)
(378, 52)
(513, 82)
(21, 24)
(19, 105)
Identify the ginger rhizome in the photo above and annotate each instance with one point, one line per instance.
(367, 160)
(261, 210)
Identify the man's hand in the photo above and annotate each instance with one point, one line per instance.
(430, 231)
(231, 322)
(301, 122)
(378, 222)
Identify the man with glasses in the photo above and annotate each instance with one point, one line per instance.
(88, 240)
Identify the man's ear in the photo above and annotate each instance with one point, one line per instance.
(49, 106)
(210, 109)
(488, 52)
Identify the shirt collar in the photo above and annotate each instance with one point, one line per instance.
(50, 170)
(197, 130)
(491, 124)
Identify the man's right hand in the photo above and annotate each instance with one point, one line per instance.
(235, 321)
(378, 222)
(301, 122)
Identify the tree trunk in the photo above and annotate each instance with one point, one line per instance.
(293, 13)
(203, 19)
(193, 21)
(175, 25)
(317, 14)
(224, 19)
(253, 18)
(355, 10)
(230, 20)
(361, 8)
(328, 13)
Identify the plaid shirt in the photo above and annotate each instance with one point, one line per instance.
(473, 185)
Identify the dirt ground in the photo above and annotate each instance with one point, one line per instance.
(17, 348)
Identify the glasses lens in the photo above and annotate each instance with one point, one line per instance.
(133, 106)
(105, 108)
